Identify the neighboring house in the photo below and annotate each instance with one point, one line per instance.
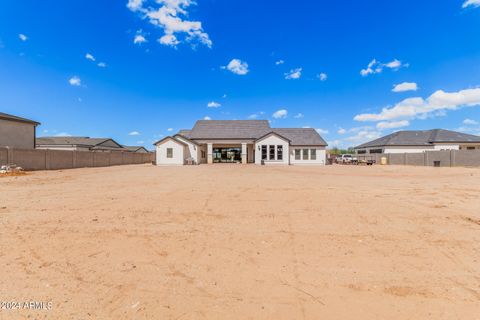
(241, 141)
(420, 141)
(79, 144)
(17, 132)
(136, 149)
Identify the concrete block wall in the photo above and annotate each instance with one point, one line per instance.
(447, 158)
(414, 159)
(466, 158)
(443, 156)
(38, 159)
(84, 159)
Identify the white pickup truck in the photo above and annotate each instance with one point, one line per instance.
(347, 159)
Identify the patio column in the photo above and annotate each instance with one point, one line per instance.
(209, 153)
(244, 153)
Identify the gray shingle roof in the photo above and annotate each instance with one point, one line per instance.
(301, 136)
(10, 117)
(185, 133)
(73, 141)
(229, 129)
(420, 138)
(135, 148)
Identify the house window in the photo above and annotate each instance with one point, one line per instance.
(470, 148)
(280, 153)
(297, 154)
(313, 154)
(264, 152)
(362, 151)
(272, 152)
(169, 153)
(305, 154)
(376, 151)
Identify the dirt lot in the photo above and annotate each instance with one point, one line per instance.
(242, 242)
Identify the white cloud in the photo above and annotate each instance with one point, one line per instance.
(90, 57)
(470, 122)
(75, 81)
(170, 129)
(134, 133)
(322, 76)
(63, 134)
(341, 131)
(169, 40)
(395, 64)
(22, 37)
(376, 66)
(321, 131)
(102, 64)
(207, 118)
(392, 124)
(280, 114)
(213, 104)
(437, 104)
(256, 115)
(279, 62)
(170, 16)
(298, 116)
(135, 5)
(237, 66)
(139, 39)
(294, 74)
(405, 86)
(473, 3)
(363, 136)
(140, 142)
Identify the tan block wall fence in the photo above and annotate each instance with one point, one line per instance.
(450, 158)
(37, 159)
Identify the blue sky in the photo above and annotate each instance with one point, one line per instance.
(140, 70)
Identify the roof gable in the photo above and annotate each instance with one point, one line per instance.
(9, 117)
(169, 139)
(272, 133)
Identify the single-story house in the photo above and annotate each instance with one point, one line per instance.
(17, 132)
(136, 149)
(420, 141)
(79, 144)
(241, 141)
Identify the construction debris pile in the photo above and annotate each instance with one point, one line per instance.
(11, 169)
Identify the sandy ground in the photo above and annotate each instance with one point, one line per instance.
(242, 242)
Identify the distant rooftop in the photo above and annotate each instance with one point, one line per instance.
(421, 138)
(10, 117)
(77, 141)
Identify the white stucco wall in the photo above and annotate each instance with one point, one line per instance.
(192, 151)
(276, 141)
(320, 159)
(418, 149)
(179, 151)
(447, 147)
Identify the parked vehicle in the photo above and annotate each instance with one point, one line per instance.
(347, 159)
